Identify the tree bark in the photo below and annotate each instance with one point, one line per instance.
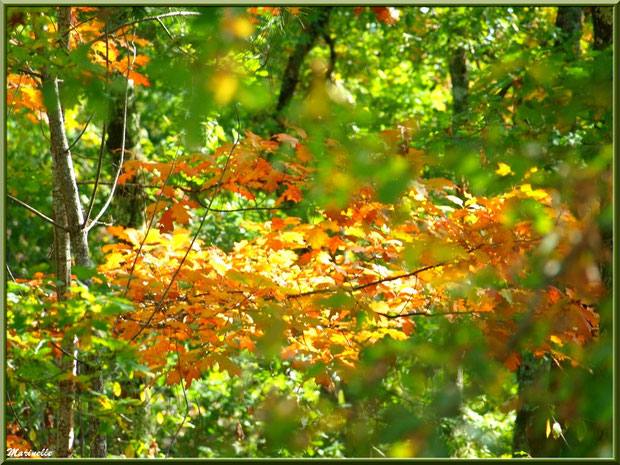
(569, 20)
(459, 79)
(533, 376)
(130, 198)
(68, 212)
(314, 29)
(603, 24)
(62, 259)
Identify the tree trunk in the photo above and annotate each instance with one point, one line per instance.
(459, 79)
(98, 442)
(603, 23)
(314, 29)
(569, 21)
(68, 212)
(62, 259)
(129, 199)
(535, 402)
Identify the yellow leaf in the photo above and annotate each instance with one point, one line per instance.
(159, 418)
(105, 402)
(317, 238)
(548, 429)
(129, 451)
(116, 389)
(504, 169)
(556, 340)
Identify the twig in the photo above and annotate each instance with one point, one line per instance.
(103, 134)
(165, 28)
(152, 219)
(363, 286)
(174, 39)
(191, 245)
(91, 203)
(150, 18)
(19, 85)
(186, 401)
(81, 133)
(10, 274)
(68, 354)
(36, 212)
(402, 315)
(26, 435)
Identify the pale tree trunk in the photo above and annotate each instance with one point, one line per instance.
(68, 213)
(62, 259)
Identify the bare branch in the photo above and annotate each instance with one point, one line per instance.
(148, 229)
(120, 164)
(36, 212)
(103, 134)
(174, 438)
(26, 435)
(404, 315)
(363, 286)
(143, 20)
(82, 132)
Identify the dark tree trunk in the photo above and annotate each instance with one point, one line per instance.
(569, 20)
(459, 79)
(535, 402)
(129, 199)
(311, 32)
(603, 23)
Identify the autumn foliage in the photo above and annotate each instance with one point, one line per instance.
(353, 231)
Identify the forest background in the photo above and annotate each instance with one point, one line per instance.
(309, 231)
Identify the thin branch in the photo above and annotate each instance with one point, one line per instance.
(36, 212)
(103, 134)
(363, 286)
(19, 85)
(68, 354)
(97, 177)
(26, 435)
(81, 133)
(150, 18)
(240, 209)
(31, 73)
(43, 130)
(174, 438)
(152, 219)
(165, 29)
(120, 164)
(403, 315)
(191, 245)
(10, 274)
(174, 39)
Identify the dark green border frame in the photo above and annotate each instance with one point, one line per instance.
(616, 197)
